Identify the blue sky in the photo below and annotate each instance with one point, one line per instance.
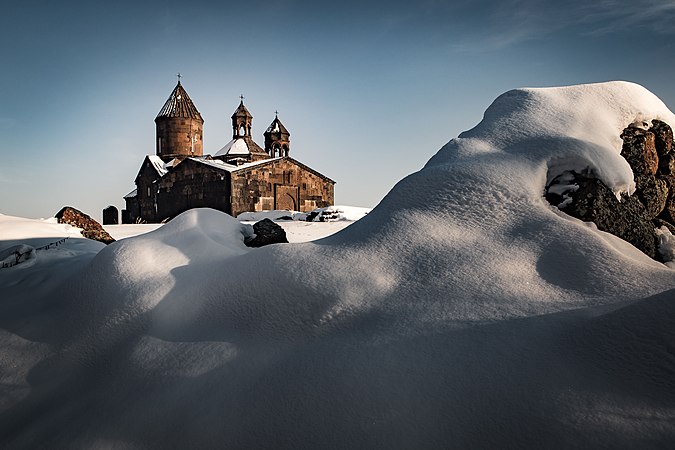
(369, 91)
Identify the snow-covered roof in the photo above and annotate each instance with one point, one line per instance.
(277, 127)
(132, 194)
(160, 166)
(236, 146)
(217, 163)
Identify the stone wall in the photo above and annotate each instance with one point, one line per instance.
(192, 185)
(146, 193)
(280, 184)
(175, 134)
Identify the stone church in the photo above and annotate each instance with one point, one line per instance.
(241, 176)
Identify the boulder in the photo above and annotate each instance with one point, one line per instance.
(266, 233)
(649, 152)
(594, 202)
(91, 229)
(663, 137)
(640, 151)
(653, 193)
(668, 213)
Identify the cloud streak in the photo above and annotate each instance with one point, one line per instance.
(503, 24)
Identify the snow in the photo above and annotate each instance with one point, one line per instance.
(340, 212)
(666, 246)
(463, 311)
(159, 165)
(298, 229)
(219, 164)
(236, 146)
(130, 230)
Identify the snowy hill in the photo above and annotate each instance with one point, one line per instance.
(462, 312)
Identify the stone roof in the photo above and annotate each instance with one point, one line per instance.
(277, 127)
(179, 105)
(241, 146)
(241, 111)
(221, 165)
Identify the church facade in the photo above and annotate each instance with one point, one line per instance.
(240, 177)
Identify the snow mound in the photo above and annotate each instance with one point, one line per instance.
(338, 212)
(16, 254)
(463, 310)
(566, 128)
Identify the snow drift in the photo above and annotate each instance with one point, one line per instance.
(463, 311)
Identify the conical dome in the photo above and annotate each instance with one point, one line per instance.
(241, 111)
(179, 105)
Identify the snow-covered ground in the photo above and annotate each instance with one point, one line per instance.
(294, 223)
(464, 311)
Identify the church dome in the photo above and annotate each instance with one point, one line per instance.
(180, 105)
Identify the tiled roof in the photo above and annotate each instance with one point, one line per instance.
(179, 105)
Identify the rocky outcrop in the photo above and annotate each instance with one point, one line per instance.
(266, 233)
(649, 152)
(91, 229)
(640, 151)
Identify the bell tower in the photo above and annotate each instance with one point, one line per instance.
(242, 121)
(179, 127)
(277, 138)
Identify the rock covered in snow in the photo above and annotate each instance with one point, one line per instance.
(592, 201)
(632, 218)
(91, 229)
(266, 233)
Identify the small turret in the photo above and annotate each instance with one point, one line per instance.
(277, 138)
(241, 121)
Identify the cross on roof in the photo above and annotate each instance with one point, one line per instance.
(276, 113)
(242, 98)
(179, 76)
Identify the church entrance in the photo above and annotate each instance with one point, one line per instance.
(286, 197)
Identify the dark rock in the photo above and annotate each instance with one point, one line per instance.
(311, 216)
(595, 202)
(266, 233)
(663, 137)
(634, 219)
(668, 213)
(667, 164)
(640, 151)
(91, 229)
(653, 193)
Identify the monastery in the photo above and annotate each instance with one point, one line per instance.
(241, 176)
